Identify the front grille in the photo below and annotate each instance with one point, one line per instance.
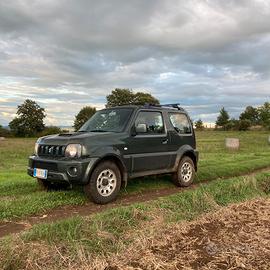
(45, 165)
(51, 151)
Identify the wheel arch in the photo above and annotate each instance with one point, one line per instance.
(188, 151)
(117, 160)
(192, 156)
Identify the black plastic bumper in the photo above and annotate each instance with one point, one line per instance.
(62, 170)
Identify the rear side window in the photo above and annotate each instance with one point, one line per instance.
(153, 121)
(180, 122)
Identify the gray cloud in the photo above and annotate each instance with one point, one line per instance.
(204, 54)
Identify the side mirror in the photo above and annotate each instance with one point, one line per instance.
(141, 128)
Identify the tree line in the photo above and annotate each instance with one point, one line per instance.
(250, 117)
(29, 120)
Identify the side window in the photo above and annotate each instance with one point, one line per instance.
(180, 122)
(153, 121)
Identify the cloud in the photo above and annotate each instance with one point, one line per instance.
(204, 54)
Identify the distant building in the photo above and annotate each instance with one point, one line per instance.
(209, 125)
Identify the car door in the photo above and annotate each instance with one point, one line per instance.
(149, 149)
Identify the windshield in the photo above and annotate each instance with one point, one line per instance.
(109, 120)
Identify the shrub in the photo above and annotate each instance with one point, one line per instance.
(244, 124)
(5, 132)
(50, 131)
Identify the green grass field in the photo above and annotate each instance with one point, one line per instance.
(21, 197)
(89, 242)
(92, 242)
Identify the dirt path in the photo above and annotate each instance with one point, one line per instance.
(87, 209)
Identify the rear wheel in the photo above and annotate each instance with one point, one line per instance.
(104, 184)
(185, 174)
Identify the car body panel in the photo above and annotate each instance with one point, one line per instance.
(136, 154)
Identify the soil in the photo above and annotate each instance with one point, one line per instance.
(234, 237)
(90, 208)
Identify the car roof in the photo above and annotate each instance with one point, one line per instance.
(167, 107)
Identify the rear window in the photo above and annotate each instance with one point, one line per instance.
(180, 123)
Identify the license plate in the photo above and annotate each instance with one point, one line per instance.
(40, 173)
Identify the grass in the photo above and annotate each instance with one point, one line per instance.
(180, 206)
(65, 242)
(21, 197)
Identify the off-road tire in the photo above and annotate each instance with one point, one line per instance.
(104, 184)
(185, 173)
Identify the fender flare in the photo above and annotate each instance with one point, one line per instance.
(113, 155)
(186, 150)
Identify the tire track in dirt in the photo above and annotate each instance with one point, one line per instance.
(66, 211)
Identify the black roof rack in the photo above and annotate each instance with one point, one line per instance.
(171, 106)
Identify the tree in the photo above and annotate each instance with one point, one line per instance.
(250, 114)
(264, 115)
(223, 118)
(199, 125)
(244, 124)
(120, 97)
(30, 119)
(141, 98)
(84, 114)
(233, 124)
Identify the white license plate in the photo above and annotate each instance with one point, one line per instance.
(40, 173)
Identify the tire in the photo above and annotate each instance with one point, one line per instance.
(185, 173)
(104, 184)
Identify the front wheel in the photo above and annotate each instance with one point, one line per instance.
(104, 184)
(185, 173)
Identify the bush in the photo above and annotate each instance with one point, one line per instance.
(244, 124)
(5, 132)
(233, 124)
(50, 131)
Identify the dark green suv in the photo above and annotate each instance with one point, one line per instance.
(118, 144)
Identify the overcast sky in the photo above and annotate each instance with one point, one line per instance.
(66, 54)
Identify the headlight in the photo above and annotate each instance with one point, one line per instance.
(73, 150)
(36, 146)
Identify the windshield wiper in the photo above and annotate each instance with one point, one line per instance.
(82, 131)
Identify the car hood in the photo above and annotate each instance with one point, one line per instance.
(76, 137)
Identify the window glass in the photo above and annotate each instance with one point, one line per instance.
(108, 120)
(152, 120)
(180, 123)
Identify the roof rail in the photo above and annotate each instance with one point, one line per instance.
(174, 106)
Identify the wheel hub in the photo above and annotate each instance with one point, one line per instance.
(106, 182)
(186, 171)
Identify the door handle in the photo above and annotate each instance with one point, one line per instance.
(165, 141)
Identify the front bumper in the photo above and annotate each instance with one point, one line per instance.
(62, 170)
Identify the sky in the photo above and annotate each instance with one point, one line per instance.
(67, 54)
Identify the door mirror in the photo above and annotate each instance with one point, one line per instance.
(141, 128)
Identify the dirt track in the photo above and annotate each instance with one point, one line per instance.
(87, 209)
